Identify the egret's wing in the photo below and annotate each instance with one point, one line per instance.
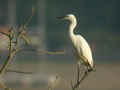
(84, 50)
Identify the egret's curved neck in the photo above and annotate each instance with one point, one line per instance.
(72, 28)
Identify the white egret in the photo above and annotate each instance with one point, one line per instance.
(82, 49)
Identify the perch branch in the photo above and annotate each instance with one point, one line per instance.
(79, 80)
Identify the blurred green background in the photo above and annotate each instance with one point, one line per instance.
(98, 22)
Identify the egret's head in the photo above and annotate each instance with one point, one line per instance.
(69, 17)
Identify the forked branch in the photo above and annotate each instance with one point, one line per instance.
(13, 47)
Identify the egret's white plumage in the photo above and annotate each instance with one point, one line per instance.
(83, 51)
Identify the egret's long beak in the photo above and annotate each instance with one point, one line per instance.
(61, 17)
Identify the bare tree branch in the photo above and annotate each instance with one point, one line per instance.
(79, 80)
(12, 49)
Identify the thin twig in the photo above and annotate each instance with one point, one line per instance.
(4, 34)
(16, 71)
(51, 53)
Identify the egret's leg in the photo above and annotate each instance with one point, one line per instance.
(77, 83)
(81, 71)
(79, 78)
(78, 71)
(87, 71)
